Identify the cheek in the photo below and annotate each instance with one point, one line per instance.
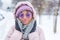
(29, 19)
(20, 19)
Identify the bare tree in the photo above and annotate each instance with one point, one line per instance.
(56, 8)
(40, 5)
(1, 4)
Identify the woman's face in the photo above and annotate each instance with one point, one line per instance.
(25, 17)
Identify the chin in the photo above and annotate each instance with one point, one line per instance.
(25, 23)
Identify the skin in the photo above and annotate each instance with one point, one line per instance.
(26, 20)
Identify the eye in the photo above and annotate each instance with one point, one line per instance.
(21, 15)
(28, 14)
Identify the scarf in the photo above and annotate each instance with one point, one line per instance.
(25, 29)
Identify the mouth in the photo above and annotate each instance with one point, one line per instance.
(24, 21)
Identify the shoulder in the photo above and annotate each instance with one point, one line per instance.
(39, 29)
(12, 27)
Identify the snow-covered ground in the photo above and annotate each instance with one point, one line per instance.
(46, 23)
(6, 23)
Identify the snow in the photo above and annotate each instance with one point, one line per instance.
(46, 24)
(5, 23)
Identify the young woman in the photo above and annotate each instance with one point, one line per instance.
(25, 24)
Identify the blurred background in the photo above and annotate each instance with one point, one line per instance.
(48, 17)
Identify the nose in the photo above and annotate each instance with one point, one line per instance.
(24, 17)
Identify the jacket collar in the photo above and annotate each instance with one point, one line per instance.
(17, 27)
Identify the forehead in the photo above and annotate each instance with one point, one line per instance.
(26, 11)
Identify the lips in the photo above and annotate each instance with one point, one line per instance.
(24, 21)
